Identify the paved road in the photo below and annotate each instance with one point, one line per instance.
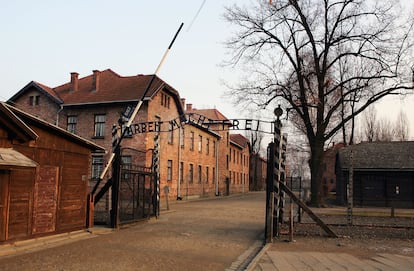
(198, 235)
(274, 260)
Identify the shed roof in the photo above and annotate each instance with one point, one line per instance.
(378, 156)
(22, 119)
(15, 125)
(10, 157)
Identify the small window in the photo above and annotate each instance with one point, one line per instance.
(200, 143)
(170, 137)
(191, 173)
(34, 100)
(71, 124)
(227, 161)
(215, 148)
(126, 166)
(99, 125)
(165, 100)
(208, 146)
(181, 172)
(97, 166)
(207, 173)
(182, 137)
(191, 141)
(199, 174)
(214, 174)
(169, 170)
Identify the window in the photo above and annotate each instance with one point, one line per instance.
(207, 173)
(199, 174)
(181, 172)
(215, 148)
(165, 100)
(191, 141)
(182, 137)
(200, 143)
(99, 126)
(97, 166)
(169, 170)
(227, 161)
(214, 174)
(126, 166)
(34, 100)
(208, 146)
(170, 137)
(191, 173)
(71, 124)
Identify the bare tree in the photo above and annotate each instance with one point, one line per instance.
(385, 130)
(370, 129)
(292, 51)
(402, 129)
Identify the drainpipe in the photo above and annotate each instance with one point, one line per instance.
(57, 114)
(179, 163)
(217, 169)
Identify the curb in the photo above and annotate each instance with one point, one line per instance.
(256, 259)
(38, 243)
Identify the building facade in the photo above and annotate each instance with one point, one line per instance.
(194, 158)
(382, 174)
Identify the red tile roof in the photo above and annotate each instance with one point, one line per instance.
(239, 140)
(212, 114)
(112, 88)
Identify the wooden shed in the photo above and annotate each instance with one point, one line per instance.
(44, 172)
(383, 174)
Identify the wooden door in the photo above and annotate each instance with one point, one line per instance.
(45, 200)
(4, 191)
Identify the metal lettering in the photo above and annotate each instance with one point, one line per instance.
(248, 124)
(235, 124)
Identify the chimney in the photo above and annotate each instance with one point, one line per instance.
(189, 107)
(183, 102)
(96, 80)
(74, 83)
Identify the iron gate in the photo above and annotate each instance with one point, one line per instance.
(136, 194)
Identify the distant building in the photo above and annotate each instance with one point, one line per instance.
(328, 185)
(258, 167)
(383, 174)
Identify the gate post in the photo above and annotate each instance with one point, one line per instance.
(115, 188)
(273, 192)
(90, 210)
(269, 193)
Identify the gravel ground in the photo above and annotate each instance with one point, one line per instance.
(367, 236)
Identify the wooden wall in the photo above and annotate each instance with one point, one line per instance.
(50, 198)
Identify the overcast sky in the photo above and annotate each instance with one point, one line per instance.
(46, 40)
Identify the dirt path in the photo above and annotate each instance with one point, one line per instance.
(202, 235)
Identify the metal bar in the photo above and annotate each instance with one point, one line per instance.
(136, 109)
(307, 210)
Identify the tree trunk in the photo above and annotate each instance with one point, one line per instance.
(316, 172)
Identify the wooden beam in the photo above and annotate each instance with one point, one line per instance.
(307, 210)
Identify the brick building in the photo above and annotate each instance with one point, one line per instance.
(239, 160)
(194, 158)
(258, 167)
